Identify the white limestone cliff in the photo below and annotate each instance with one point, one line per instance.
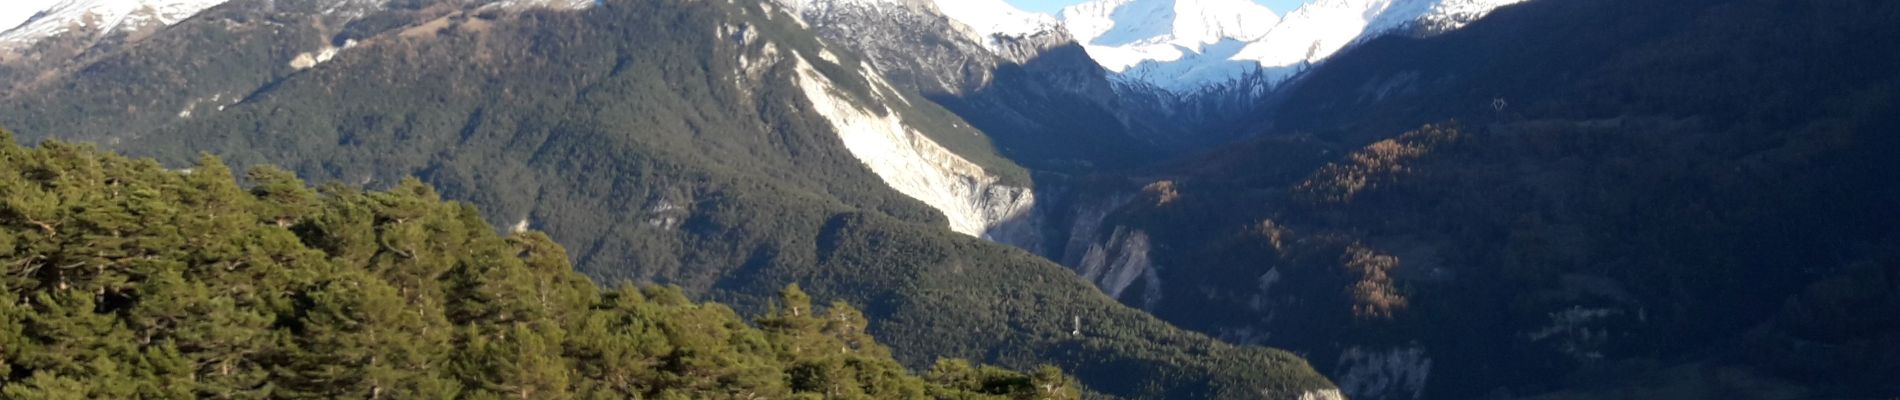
(973, 199)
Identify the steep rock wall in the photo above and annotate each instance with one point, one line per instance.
(971, 198)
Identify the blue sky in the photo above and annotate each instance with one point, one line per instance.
(1051, 6)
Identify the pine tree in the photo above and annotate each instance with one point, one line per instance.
(846, 325)
(12, 317)
(352, 339)
(522, 361)
(282, 198)
(70, 342)
(210, 337)
(955, 374)
(793, 325)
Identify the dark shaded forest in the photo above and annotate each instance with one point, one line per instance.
(1617, 199)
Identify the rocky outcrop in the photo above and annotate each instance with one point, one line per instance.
(908, 41)
(1114, 258)
(1328, 394)
(1116, 264)
(1020, 50)
(1396, 373)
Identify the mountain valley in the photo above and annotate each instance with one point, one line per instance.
(1369, 199)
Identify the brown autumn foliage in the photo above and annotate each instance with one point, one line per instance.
(1377, 163)
(1373, 294)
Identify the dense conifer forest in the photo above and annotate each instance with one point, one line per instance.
(123, 279)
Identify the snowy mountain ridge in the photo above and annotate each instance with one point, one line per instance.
(103, 17)
(991, 23)
(995, 21)
(1122, 33)
(1187, 46)
(99, 19)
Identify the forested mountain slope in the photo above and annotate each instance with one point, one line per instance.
(701, 144)
(127, 280)
(1613, 199)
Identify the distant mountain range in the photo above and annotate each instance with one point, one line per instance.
(1185, 51)
(1184, 46)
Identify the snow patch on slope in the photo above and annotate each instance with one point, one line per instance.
(551, 4)
(971, 198)
(312, 59)
(216, 100)
(102, 17)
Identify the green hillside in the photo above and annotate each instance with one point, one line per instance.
(127, 280)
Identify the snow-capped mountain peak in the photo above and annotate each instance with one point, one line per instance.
(101, 17)
(1115, 22)
(994, 18)
(990, 22)
(1454, 14)
(1186, 46)
(1123, 33)
(1316, 31)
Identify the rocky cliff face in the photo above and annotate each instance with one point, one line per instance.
(910, 47)
(1395, 373)
(1076, 227)
(908, 41)
(973, 199)
(1020, 79)
(1117, 262)
(1112, 239)
(1022, 86)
